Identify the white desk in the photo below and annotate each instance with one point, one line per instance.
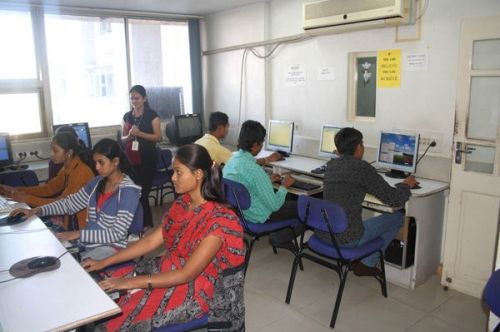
(426, 205)
(58, 300)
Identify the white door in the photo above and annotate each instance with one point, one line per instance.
(474, 202)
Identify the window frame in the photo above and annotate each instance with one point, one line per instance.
(352, 86)
(41, 84)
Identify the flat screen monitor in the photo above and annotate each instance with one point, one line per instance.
(184, 129)
(327, 146)
(5, 150)
(398, 152)
(280, 136)
(82, 131)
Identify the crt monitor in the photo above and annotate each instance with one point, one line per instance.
(398, 152)
(5, 150)
(81, 129)
(280, 136)
(327, 146)
(184, 129)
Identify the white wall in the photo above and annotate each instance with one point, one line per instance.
(424, 102)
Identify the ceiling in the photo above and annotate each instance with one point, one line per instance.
(189, 7)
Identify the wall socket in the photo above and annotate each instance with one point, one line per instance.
(35, 153)
(425, 140)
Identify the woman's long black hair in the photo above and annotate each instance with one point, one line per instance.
(111, 149)
(142, 91)
(195, 157)
(69, 141)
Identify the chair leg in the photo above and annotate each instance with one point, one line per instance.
(248, 254)
(343, 280)
(383, 282)
(296, 261)
(297, 254)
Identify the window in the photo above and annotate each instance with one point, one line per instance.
(20, 86)
(159, 56)
(71, 66)
(87, 69)
(362, 86)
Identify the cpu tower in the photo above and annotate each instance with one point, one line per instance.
(401, 251)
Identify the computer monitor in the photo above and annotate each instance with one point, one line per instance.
(398, 152)
(327, 146)
(82, 131)
(280, 136)
(5, 151)
(184, 129)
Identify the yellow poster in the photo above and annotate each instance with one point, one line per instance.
(389, 69)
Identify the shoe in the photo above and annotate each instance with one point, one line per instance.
(362, 270)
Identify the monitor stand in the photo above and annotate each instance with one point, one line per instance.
(396, 174)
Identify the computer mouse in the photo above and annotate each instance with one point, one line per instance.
(41, 262)
(33, 265)
(15, 219)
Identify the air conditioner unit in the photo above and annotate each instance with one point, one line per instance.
(347, 15)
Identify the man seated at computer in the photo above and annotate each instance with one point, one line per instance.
(266, 204)
(218, 127)
(347, 180)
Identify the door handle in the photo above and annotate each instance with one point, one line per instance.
(459, 150)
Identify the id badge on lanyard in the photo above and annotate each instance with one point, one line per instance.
(135, 145)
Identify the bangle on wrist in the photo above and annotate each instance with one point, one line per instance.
(150, 285)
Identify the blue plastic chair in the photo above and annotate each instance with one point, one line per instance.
(239, 198)
(194, 324)
(492, 295)
(330, 217)
(162, 180)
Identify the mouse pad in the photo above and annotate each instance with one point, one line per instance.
(21, 269)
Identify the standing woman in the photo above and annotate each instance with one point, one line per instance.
(140, 133)
(111, 199)
(77, 169)
(201, 237)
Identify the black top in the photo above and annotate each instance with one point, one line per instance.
(145, 124)
(347, 180)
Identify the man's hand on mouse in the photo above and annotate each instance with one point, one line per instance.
(275, 156)
(411, 181)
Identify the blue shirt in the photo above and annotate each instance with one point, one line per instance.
(243, 168)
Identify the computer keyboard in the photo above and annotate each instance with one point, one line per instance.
(4, 205)
(304, 186)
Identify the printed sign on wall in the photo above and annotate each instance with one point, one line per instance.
(389, 69)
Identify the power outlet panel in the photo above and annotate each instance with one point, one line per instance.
(425, 140)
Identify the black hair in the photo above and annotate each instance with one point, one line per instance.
(195, 157)
(251, 132)
(347, 139)
(69, 141)
(217, 119)
(71, 130)
(111, 149)
(142, 91)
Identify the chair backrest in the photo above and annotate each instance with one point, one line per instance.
(24, 178)
(492, 292)
(137, 225)
(314, 212)
(164, 159)
(236, 194)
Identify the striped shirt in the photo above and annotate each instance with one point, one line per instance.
(109, 225)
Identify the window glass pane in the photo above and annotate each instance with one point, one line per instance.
(481, 159)
(17, 58)
(485, 54)
(159, 52)
(26, 106)
(366, 87)
(87, 68)
(484, 107)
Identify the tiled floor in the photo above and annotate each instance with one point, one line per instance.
(363, 308)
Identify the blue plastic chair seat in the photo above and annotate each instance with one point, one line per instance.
(270, 226)
(349, 253)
